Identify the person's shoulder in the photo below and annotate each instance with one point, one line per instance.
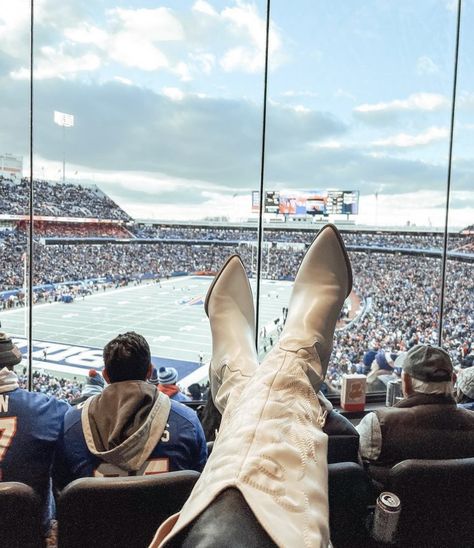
(36, 399)
(183, 411)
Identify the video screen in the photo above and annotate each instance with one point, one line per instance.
(342, 202)
(272, 201)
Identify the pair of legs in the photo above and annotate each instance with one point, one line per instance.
(268, 470)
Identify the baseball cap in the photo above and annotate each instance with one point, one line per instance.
(426, 363)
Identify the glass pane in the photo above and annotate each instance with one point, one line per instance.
(148, 130)
(14, 172)
(358, 130)
(459, 291)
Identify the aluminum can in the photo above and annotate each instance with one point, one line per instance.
(394, 390)
(387, 513)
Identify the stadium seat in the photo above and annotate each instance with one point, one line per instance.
(343, 439)
(120, 512)
(349, 497)
(437, 497)
(20, 511)
(348, 501)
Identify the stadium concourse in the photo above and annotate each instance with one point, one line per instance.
(84, 242)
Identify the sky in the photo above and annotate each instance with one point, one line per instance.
(168, 102)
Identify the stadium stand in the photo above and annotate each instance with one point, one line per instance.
(81, 234)
(58, 200)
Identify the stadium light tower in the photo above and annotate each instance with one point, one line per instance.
(64, 120)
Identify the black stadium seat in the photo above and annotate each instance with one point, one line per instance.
(20, 511)
(343, 439)
(120, 512)
(437, 498)
(349, 496)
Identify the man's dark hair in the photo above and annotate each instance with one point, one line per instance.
(127, 358)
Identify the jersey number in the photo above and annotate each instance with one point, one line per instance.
(7, 433)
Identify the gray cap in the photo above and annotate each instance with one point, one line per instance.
(466, 382)
(426, 363)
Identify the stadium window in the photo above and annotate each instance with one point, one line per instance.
(147, 174)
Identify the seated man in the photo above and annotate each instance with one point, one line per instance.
(30, 425)
(426, 424)
(130, 428)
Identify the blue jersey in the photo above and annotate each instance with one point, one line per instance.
(182, 447)
(179, 396)
(30, 425)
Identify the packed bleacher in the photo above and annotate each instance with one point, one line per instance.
(58, 200)
(399, 300)
(355, 238)
(51, 385)
(48, 229)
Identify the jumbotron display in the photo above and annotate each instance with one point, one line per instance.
(309, 202)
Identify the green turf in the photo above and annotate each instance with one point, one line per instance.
(173, 329)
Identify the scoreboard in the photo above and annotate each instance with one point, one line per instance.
(272, 201)
(342, 202)
(308, 202)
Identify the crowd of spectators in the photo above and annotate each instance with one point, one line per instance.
(58, 200)
(400, 292)
(47, 229)
(59, 387)
(355, 238)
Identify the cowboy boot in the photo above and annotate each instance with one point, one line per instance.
(272, 447)
(229, 307)
(322, 283)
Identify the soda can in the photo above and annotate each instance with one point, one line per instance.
(387, 513)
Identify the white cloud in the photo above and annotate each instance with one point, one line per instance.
(132, 37)
(200, 6)
(204, 61)
(54, 63)
(182, 71)
(302, 93)
(86, 33)
(153, 25)
(175, 94)
(244, 21)
(14, 26)
(301, 109)
(426, 65)
(416, 101)
(345, 94)
(136, 33)
(330, 144)
(404, 140)
(466, 99)
(125, 81)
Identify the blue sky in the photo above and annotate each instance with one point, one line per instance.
(167, 99)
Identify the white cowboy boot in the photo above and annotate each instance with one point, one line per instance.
(323, 282)
(229, 307)
(271, 446)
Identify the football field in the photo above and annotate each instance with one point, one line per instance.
(169, 315)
